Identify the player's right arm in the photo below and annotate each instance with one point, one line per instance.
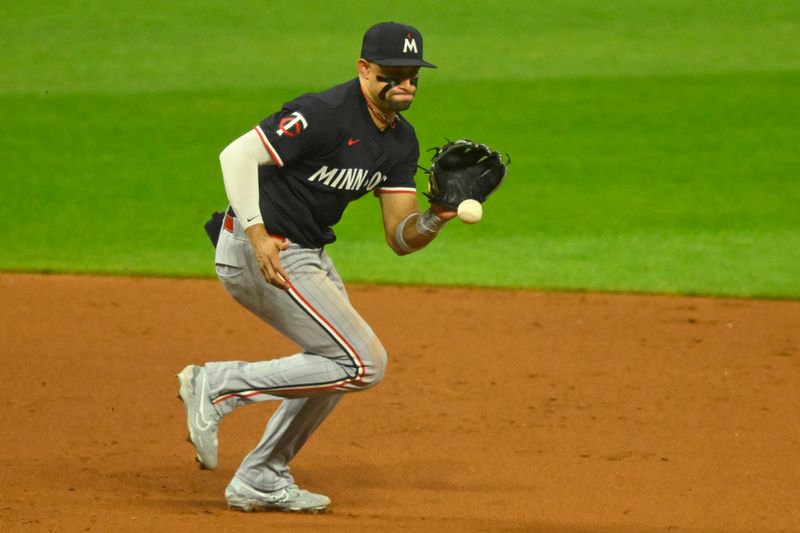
(240, 161)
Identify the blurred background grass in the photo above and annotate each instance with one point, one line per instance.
(654, 144)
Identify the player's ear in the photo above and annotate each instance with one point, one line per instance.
(364, 68)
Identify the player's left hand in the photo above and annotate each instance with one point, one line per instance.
(444, 212)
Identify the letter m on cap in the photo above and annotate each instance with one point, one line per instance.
(410, 45)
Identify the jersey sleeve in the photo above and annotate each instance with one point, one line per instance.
(401, 178)
(291, 133)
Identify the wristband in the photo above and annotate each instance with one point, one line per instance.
(429, 224)
(398, 235)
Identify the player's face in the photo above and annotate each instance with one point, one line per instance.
(401, 83)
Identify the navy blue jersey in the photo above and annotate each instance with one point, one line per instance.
(328, 152)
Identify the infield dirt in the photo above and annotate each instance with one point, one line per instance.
(500, 411)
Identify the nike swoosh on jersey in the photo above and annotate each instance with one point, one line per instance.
(351, 141)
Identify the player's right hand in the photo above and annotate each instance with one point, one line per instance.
(267, 250)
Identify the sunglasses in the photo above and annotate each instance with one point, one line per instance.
(393, 82)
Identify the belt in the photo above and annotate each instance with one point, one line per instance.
(227, 223)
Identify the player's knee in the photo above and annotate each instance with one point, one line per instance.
(374, 364)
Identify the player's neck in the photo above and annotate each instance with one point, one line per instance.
(382, 118)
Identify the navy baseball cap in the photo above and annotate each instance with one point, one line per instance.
(394, 45)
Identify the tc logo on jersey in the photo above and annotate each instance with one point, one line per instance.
(410, 45)
(292, 125)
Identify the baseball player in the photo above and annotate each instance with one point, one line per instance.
(288, 181)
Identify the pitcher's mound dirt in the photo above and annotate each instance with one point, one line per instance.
(501, 411)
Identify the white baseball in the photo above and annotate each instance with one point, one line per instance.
(470, 211)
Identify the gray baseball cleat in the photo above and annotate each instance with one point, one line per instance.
(201, 417)
(292, 499)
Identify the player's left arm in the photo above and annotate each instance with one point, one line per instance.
(406, 228)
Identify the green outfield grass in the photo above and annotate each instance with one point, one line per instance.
(654, 144)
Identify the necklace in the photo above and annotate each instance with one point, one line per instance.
(391, 122)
